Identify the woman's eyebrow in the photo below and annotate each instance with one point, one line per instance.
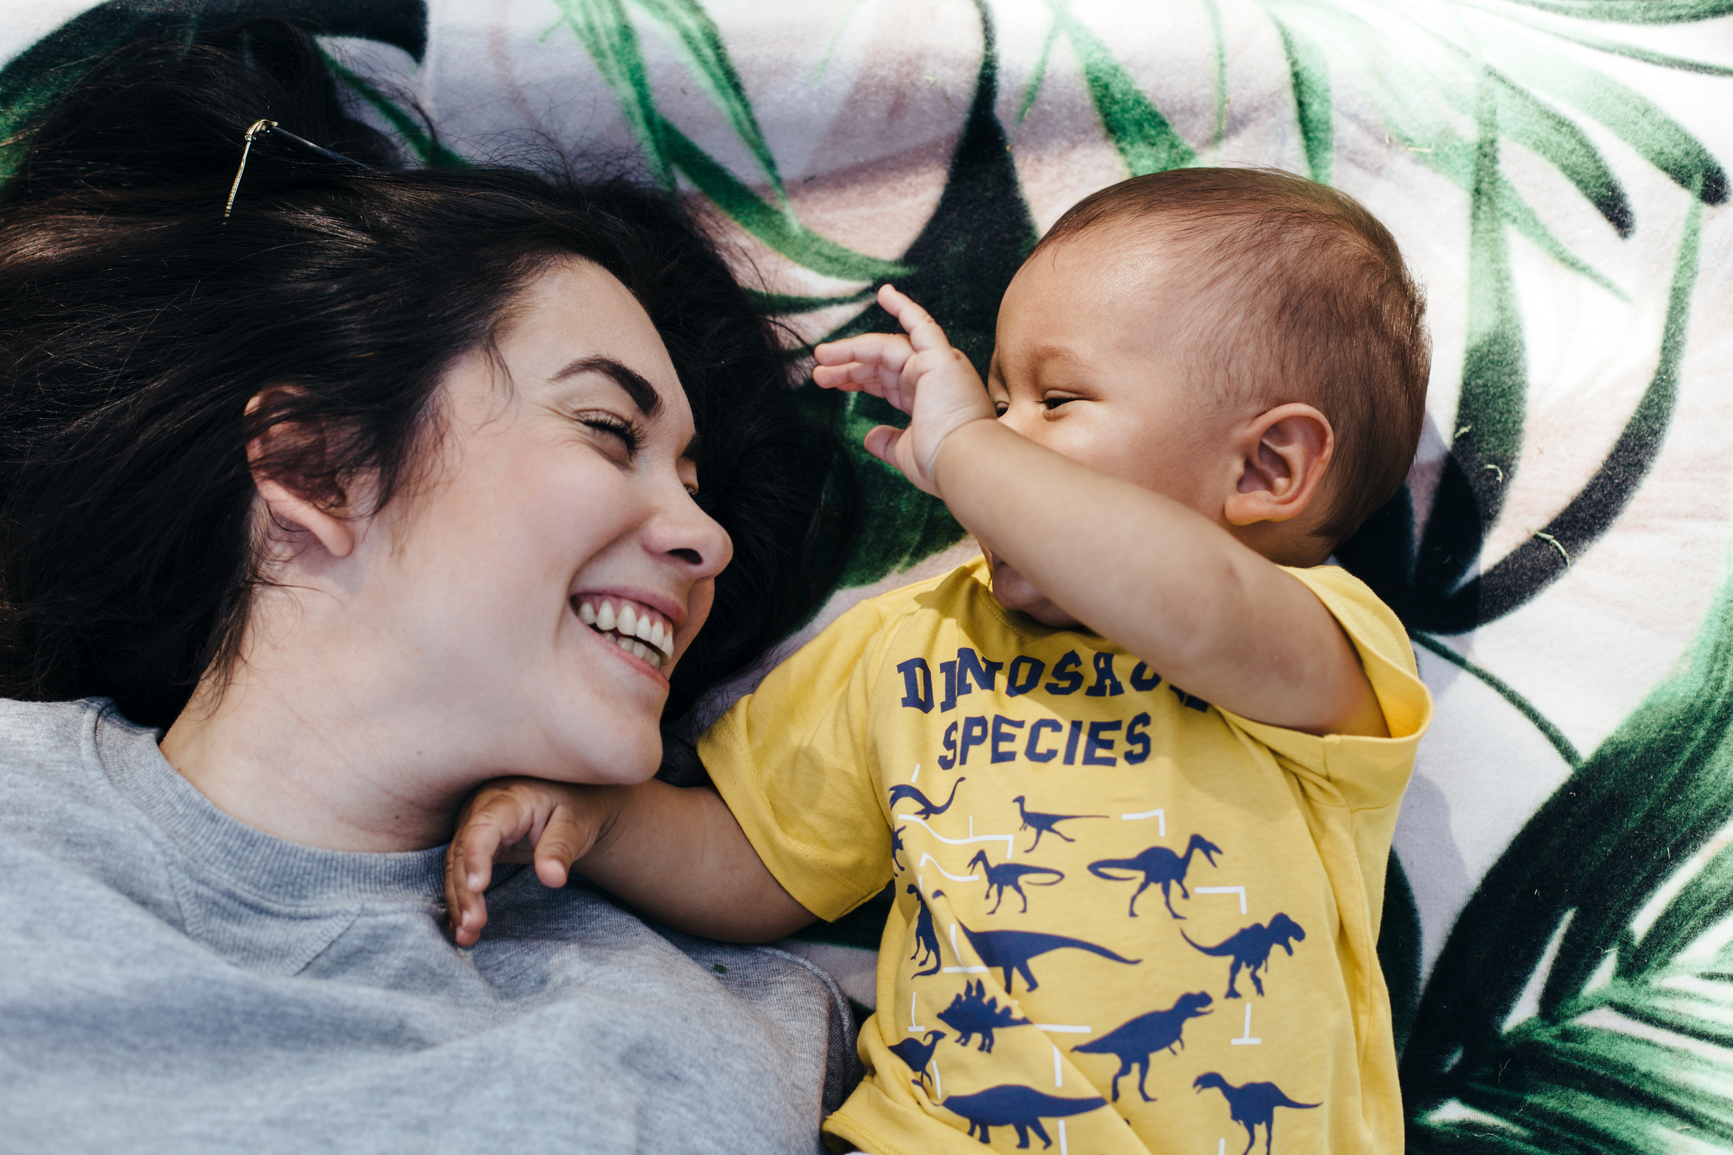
(642, 393)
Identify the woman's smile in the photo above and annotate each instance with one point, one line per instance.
(637, 629)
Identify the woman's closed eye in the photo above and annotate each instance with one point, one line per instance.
(615, 426)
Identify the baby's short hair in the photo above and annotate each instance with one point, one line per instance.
(1296, 293)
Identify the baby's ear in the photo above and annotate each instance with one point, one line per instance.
(1284, 453)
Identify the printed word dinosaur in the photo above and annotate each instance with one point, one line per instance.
(1134, 1044)
(1160, 865)
(1250, 948)
(975, 1012)
(1011, 875)
(1251, 1105)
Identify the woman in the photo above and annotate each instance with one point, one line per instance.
(333, 485)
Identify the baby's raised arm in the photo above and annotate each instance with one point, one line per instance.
(1159, 578)
(674, 855)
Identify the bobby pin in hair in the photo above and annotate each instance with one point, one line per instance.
(263, 126)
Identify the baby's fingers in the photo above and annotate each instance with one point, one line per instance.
(492, 821)
(924, 332)
(568, 835)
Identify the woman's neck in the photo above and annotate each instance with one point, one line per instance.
(312, 757)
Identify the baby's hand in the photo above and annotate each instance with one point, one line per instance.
(516, 820)
(921, 374)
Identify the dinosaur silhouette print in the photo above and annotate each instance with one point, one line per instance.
(897, 847)
(1009, 1105)
(1045, 823)
(1250, 948)
(1010, 876)
(903, 792)
(1010, 951)
(916, 1054)
(926, 935)
(1158, 864)
(975, 1012)
(1251, 1105)
(1135, 1043)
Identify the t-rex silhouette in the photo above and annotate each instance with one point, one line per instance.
(974, 1012)
(1135, 1043)
(1011, 950)
(926, 935)
(1009, 1105)
(1158, 864)
(902, 791)
(1046, 823)
(1250, 948)
(916, 1054)
(1011, 874)
(1251, 1105)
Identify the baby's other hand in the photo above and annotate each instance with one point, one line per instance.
(921, 374)
(551, 824)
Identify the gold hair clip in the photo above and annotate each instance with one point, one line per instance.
(261, 126)
(258, 126)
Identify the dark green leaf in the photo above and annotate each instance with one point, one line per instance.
(1309, 74)
(1635, 11)
(1629, 115)
(1146, 142)
(410, 129)
(606, 33)
(700, 42)
(777, 229)
(1566, 147)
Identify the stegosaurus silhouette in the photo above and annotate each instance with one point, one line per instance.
(975, 1012)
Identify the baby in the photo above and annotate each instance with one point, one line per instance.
(1134, 774)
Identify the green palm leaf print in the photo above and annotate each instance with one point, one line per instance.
(1584, 1001)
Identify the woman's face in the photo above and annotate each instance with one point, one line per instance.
(557, 515)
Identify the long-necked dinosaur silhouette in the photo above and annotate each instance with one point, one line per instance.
(1011, 875)
(926, 934)
(1135, 1043)
(917, 1053)
(1158, 864)
(974, 1012)
(1009, 1105)
(1046, 823)
(1010, 951)
(1251, 1105)
(1250, 948)
(903, 792)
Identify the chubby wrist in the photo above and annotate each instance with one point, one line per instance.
(967, 441)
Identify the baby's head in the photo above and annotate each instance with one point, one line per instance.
(1244, 341)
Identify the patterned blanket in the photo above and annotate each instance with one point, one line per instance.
(1558, 936)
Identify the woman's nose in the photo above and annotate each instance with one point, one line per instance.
(683, 531)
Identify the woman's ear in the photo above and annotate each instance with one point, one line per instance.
(285, 458)
(1285, 452)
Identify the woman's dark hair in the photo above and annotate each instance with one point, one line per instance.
(136, 324)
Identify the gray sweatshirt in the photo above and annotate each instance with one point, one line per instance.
(173, 980)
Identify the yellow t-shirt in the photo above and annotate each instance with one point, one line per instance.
(1126, 921)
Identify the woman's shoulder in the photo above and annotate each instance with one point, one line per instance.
(55, 784)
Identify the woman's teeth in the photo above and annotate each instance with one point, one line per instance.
(635, 629)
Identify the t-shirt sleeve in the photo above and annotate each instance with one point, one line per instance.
(793, 761)
(1363, 772)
